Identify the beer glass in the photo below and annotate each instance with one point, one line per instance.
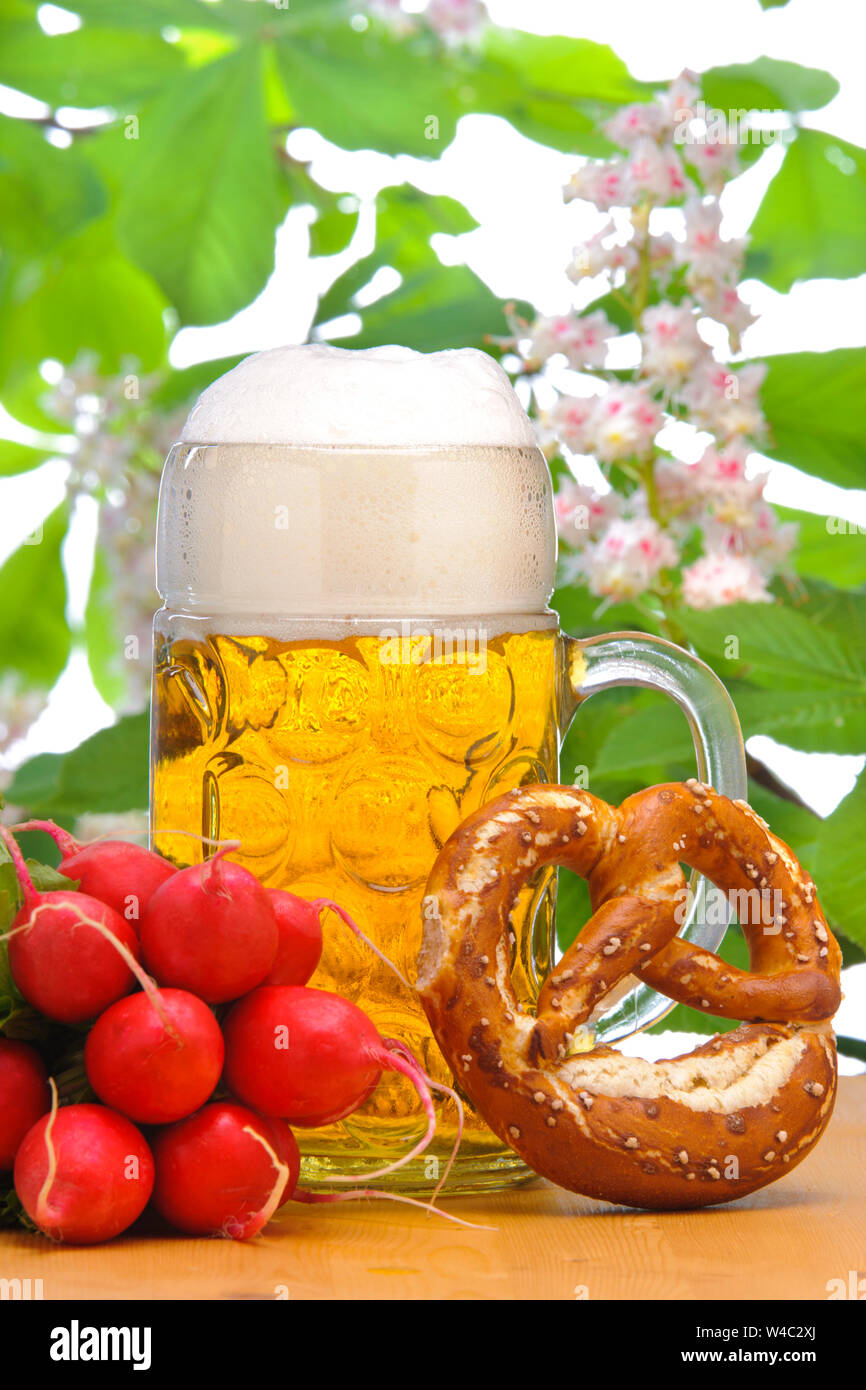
(355, 652)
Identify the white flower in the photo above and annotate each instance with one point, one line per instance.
(628, 558)
(582, 514)
(603, 182)
(592, 257)
(621, 424)
(631, 123)
(671, 344)
(570, 421)
(679, 102)
(655, 172)
(725, 401)
(724, 304)
(715, 159)
(708, 256)
(581, 338)
(625, 423)
(719, 579)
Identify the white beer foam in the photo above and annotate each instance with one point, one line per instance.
(319, 394)
(415, 487)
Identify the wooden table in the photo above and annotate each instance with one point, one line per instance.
(784, 1242)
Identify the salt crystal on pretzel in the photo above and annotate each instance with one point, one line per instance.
(704, 1128)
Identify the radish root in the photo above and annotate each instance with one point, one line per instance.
(43, 1204)
(244, 1232)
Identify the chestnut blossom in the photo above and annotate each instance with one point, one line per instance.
(719, 579)
(582, 338)
(619, 425)
(593, 257)
(725, 401)
(603, 182)
(632, 123)
(628, 558)
(655, 172)
(671, 344)
(707, 256)
(715, 159)
(582, 514)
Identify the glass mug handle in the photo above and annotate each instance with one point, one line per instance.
(634, 658)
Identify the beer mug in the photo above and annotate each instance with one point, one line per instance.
(356, 553)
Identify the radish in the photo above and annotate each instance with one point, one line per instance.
(68, 953)
(300, 939)
(224, 1171)
(83, 1173)
(210, 929)
(311, 1057)
(24, 1095)
(155, 1057)
(121, 874)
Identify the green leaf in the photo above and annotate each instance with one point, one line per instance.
(767, 84)
(19, 458)
(790, 675)
(85, 297)
(106, 773)
(828, 547)
(34, 636)
(810, 222)
(840, 867)
(434, 308)
(371, 90)
(552, 65)
(45, 193)
(87, 68)
(154, 15)
(104, 650)
(333, 228)
(201, 205)
(815, 403)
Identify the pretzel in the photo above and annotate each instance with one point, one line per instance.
(714, 1124)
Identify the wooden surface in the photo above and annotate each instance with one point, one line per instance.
(784, 1242)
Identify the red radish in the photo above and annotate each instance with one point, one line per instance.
(121, 874)
(300, 940)
(210, 929)
(24, 1095)
(68, 953)
(312, 1057)
(224, 1171)
(155, 1057)
(83, 1174)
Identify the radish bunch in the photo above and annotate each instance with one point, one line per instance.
(143, 953)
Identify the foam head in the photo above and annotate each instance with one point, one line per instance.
(320, 481)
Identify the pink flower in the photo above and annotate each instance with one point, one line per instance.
(705, 253)
(679, 102)
(715, 156)
(570, 421)
(719, 579)
(671, 344)
(631, 123)
(581, 338)
(582, 514)
(625, 423)
(629, 556)
(655, 172)
(725, 401)
(593, 257)
(725, 306)
(601, 182)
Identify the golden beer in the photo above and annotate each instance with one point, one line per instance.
(342, 764)
(356, 552)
